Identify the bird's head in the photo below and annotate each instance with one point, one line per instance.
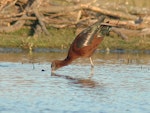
(56, 64)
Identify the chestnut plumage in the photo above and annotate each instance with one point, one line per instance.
(84, 44)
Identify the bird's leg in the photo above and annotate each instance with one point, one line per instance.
(92, 67)
(92, 64)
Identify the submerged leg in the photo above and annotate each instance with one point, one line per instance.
(92, 64)
(92, 67)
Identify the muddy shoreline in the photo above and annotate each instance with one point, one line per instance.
(55, 50)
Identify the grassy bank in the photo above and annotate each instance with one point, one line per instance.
(62, 38)
(58, 39)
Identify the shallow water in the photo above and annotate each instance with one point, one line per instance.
(121, 84)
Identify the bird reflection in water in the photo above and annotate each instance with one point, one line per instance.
(86, 83)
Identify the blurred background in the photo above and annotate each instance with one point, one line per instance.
(30, 24)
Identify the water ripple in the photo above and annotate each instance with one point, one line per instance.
(115, 87)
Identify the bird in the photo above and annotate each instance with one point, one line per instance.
(84, 45)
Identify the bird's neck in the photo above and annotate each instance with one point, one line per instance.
(64, 62)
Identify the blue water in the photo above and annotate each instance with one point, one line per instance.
(117, 86)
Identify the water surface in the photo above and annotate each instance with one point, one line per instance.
(121, 84)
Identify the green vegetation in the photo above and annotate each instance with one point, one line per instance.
(133, 43)
(62, 38)
(59, 38)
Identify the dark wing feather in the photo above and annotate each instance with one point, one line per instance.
(85, 38)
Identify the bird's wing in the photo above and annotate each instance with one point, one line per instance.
(85, 37)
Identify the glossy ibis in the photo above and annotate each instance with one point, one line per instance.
(84, 44)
